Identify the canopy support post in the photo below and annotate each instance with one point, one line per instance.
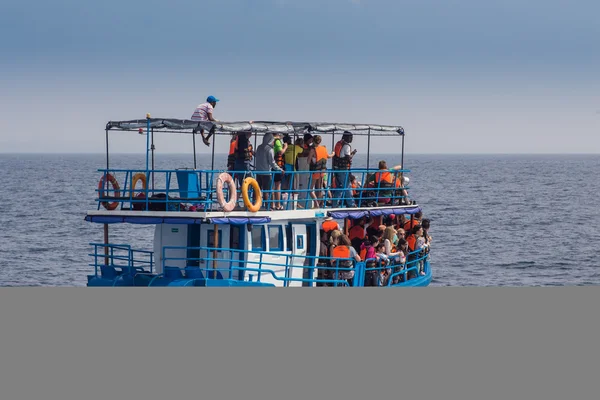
(194, 144)
(147, 158)
(152, 148)
(402, 157)
(368, 147)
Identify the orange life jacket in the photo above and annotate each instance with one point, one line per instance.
(340, 162)
(321, 156)
(356, 231)
(408, 225)
(412, 241)
(385, 178)
(233, 150)
(354, 185)
(329, 226)
(279, 158)
(341, 252)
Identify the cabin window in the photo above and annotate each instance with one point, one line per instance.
(210, 238)
(234, 237)
(288, 235)
(275, 238)
(300, 242)
(257, 237)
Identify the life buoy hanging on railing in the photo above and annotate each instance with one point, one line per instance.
(116, 188)
(222, 179)
(140, 176)
(252, 207)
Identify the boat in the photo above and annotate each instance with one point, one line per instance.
(210, 231)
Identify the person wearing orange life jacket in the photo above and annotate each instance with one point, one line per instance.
(240, 155)
(342, 161)
(317, 158)
(329, 225)
(344, 250)
(358, 232)
(416, 220)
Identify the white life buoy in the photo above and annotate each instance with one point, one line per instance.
(222, 179)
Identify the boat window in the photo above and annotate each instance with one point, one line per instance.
(288, 235)
(210, 238)
(234, 237)
(257, 237)
(275, 238)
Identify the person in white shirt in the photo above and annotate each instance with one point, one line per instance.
(204, 112)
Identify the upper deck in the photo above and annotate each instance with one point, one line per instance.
(193, 193)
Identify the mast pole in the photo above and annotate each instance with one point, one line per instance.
(106, 225)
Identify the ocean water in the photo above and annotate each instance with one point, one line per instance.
(497, 220)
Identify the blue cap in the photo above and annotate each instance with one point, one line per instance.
(212, 99)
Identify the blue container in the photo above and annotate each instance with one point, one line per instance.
(189, 183)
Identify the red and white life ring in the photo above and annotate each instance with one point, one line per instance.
(115, 185)
(222, 179)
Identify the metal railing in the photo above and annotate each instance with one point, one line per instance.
(195, 190)
(114, 260)
(120, 258)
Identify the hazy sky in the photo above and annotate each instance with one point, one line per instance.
(461, 76)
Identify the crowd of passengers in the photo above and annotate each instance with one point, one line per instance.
(393, 247)
(277, 157)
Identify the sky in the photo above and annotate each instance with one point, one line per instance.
(461, 76)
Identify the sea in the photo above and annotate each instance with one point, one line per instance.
(496, 220)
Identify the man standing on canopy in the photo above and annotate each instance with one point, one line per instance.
(204, 112)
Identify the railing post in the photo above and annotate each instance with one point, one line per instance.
(215, 245)
(106, 244)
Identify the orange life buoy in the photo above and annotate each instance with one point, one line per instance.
(140, 176)
(115, 185)
(226, 178)
(252, 207)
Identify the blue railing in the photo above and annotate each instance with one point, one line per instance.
(250, 265)
(416, 264)
(109, 257)
(245, 262)
(195, 190)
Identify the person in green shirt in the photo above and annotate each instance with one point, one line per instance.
(290, 180)
(279, 149)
